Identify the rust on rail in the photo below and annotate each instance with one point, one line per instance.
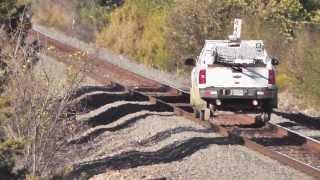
(273, 141)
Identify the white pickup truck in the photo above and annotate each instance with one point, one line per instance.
(233, 75)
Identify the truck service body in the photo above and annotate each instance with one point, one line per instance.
(234, 74)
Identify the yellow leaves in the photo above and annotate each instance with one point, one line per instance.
(152, 47)
(137, 29)
(4, 102)
(78, 55)
(281, 9)
(282, 80)
(315, 17)
(2, 73)
(237, 2)
(288, 13)
(10, 145)
(51, 48)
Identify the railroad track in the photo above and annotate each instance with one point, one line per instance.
(300, 123)
(282, 144)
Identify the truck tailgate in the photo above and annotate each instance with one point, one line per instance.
(237, 77)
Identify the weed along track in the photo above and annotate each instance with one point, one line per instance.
(121, 106)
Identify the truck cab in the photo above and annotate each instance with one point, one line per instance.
(234, 75)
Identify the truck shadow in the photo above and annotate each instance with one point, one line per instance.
(299, 118)
(173, 152)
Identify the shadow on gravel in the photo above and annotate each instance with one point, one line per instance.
(124, 125)
(116, 113)
(299, 118)
(289, 124)
(183, 98)
(281, 141)
(132, 159)
(88, 89)
(187, 108)
(98, 100)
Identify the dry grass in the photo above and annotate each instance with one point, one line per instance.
(138, 29)
(54, 14)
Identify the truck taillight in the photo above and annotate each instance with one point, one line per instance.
(272, 77)
(202, 76)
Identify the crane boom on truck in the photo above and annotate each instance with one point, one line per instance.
(234, 75)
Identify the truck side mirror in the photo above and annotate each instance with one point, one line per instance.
(275, 61)
(190, 62)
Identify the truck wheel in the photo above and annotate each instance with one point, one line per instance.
(267, 110)
(205, 115)
(266, 116)
(195, 99)
(196, 113)
(212, 110)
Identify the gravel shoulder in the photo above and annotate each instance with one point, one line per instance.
(57, 72)
(145, 144)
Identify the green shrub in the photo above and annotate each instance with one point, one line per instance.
(95, 13)
(9, 149)
(7, 10)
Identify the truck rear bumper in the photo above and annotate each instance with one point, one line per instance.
(239, 93)
(241, 98)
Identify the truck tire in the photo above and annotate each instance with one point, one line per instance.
(205, 114)
(195, 99)
(267, 110)
(196, 113)
(265, 117)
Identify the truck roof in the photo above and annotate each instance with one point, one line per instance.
(226, 43)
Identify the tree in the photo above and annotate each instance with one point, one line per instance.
(13, 15)
(14, 25)
(7, 10)
(310, 5)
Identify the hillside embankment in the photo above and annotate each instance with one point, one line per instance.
(162, 34)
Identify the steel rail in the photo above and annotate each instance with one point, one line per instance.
(251, 144)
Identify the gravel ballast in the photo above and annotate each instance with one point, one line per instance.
(160, 145)
(171, 147)
(215, 156)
